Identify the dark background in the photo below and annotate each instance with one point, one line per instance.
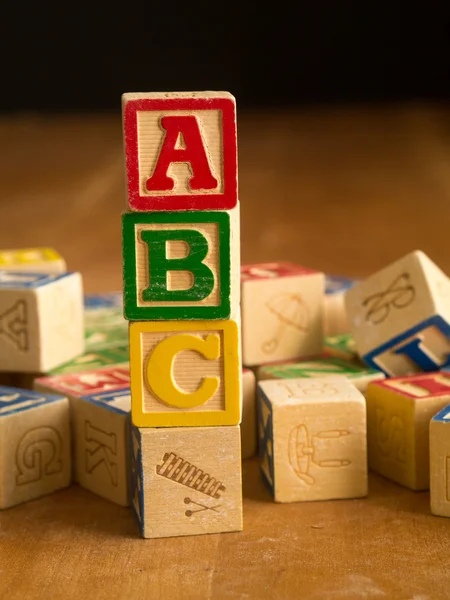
(83, 57)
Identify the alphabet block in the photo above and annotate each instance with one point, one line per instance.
(312, 439)
(91, 361)
(357, 374)
(288, 300)
(105, 328)
(34, 445)
(41, 320)
(101, 432)
(186, 480)
(86, 383)
(440, 463)
(336, 321)
(181, 265)
(399, 411)
(31, 260)
(185, 373)
(341, 346)
(400, 316)
(181, 151)
(248, 426)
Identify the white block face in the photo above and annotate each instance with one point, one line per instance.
(318, 439)
(282, 316)
(41, 320)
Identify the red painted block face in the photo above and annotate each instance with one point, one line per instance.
(181, 151)
(273, 270)
(422, 385)
(88, 382)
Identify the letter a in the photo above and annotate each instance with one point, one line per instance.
(194, 153)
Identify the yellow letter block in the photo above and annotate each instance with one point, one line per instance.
(440, 463)
(32, 260)
(185, 373)
(399, 411)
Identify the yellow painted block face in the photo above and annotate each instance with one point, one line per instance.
(185, 373)
(43, 260)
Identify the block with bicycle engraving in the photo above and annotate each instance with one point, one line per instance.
(282, 312)
(180, 150)
(335, 313)
(400, 316)
(357, 374)
(312, 439)
(32, 260)
(185, 373)
(440, 463)
(101, 432)
(399, 411)
(248, 425)
(181, 265)
(186, 480)
(34, 445)
(41, 320)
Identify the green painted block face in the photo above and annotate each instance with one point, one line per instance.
(342, 345)
(105, 328)
(317, 368)
(176, 265)
(94, 360)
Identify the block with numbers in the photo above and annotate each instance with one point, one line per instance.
(181, 151)
(288, 300)
(399, 411)
(34, 445)
(186, 480)
(31, 260)
(335, 317)
(185, 373)
(248, 425)
(41, 320)
(181, 265)
(101, 432)
(312, 439)
(440, 463)
(400, 316)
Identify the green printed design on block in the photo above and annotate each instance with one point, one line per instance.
(343, 343)
(159, 265)
(318, 368)
(94, 360)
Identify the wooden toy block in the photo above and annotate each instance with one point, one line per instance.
(335, 314)
(101, 433)
(440, 463)
(400, 316)
(34, 445)
(186, 480)
(181, 265)
(86, 383)
(282, 312)
(31, 260)
(399, 411)
(248, 425)
(105, 328)
(359, 375)
(181, 151)
(341, 346)
(90, 361)
(41, 320)
(185, 373)
(312, 439)
(94, 302)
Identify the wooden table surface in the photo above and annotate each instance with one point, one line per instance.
(344, 191)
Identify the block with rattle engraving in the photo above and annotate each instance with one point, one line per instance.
(34, 445)
(400, 316)
(312, 439)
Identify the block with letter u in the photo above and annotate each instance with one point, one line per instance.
(185, 373)
(181, 265)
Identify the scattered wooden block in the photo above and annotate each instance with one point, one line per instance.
(282, 312)
(181, 150)
(41, 320)
(86, 383)
(91, 361)
(105, 328)
(440, 463)
(400, 316)
(359, 375)
(248, 425)
(186, 480)
(32, 260)
(341, 346)
(185, 373)
(181, 265)
(34, 445)
(101, 433)
(399, 411)
(312, 439)
(94, 302)
(335, 314)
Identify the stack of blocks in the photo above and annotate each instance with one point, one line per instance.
(182, 298)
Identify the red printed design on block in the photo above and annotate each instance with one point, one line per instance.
(273, 270)
(88, 382)
(423, 385)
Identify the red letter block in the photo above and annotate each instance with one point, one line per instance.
(180, 151)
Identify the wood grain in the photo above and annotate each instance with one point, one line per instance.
(342, 191)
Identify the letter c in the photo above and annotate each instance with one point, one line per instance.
(160, 370)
